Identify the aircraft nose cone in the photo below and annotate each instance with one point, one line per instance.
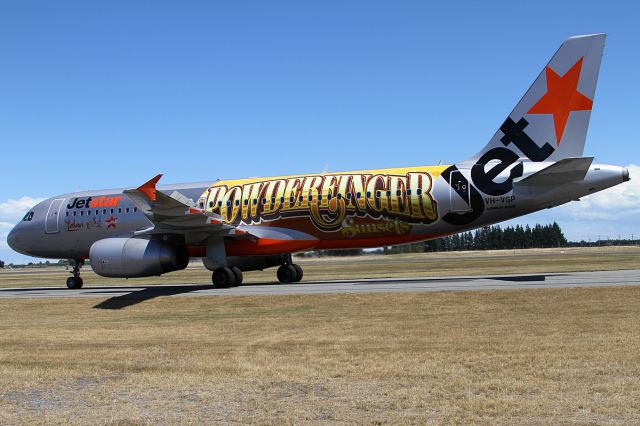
(14, 241)
(11, 238)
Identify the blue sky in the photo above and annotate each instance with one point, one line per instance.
(108, 94)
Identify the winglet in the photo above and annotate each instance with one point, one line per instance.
(149, 188)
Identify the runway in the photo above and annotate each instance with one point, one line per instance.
(128, 295)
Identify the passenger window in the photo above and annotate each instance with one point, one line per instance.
(255, 201)
(74, 213)
(104, 211)
(339, 196)
(388, 193)
(237, 202)
(377, 194)
(310, 197)
(202, 204)
(264, 201)
(81, 212)
(358, 195)
(419, 191)
(119, 209)
(210, 204)
(300, 198)
(273, 200)
(319, 197)
(111, 211)
(398, 192)
(127, 209)
(281, 200)
(246, 201)
(368, 194)
(135, 209)
(229, 203)
(408, 192)
(25, 218)
(291, 200)
(329, 196)
(219, 203)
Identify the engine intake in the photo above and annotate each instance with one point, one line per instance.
(134, 257)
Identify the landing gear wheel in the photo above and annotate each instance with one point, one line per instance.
(299, 272)
(223, 278)
(74, 283)
(287, 274)
(238, 276)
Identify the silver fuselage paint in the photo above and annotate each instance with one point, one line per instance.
(71, 231)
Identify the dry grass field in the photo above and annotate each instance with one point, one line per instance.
(546, 356)
(373, 266)
(527, 356)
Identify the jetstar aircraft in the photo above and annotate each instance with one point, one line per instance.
(534, 161)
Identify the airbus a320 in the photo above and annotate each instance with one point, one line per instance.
(534, 161)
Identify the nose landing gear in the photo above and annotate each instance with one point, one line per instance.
(75, 282)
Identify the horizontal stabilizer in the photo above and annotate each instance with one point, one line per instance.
(564, 171)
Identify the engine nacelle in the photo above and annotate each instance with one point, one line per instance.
(134, 257)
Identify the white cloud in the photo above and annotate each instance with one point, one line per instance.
(13, 210)
(606, 214)
(617, 203)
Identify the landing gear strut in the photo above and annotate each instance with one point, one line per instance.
(289, 272)
(75, 281)
(226, 277)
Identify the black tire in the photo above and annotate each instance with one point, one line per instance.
(238, 276)
(287, 274)
(299, 272)
(223, 278)
(74, 283)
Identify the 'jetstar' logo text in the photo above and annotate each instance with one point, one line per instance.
(92, 203)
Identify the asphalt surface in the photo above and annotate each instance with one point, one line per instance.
(121, 296)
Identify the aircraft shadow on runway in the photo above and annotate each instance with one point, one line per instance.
(147, 293)
(151, 292)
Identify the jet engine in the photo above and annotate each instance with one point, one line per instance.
(134, 257)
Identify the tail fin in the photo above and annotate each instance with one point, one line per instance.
(550, 122)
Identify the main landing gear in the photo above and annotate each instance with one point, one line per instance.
(226, 277)
(75, 281)
(290, 273)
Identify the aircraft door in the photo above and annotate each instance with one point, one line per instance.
(459, 193)
(51, 224)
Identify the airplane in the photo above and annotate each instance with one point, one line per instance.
(534, 161)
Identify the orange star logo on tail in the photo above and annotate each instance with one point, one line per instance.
(562, 97)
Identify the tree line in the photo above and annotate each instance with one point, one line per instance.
(498, 238)
(487, 238)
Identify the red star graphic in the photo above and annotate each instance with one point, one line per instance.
(111, 222)
(562, 97)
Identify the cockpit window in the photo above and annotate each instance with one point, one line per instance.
(28, 217)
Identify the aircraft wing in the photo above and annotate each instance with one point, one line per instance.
(176, 213)
(564, 171)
